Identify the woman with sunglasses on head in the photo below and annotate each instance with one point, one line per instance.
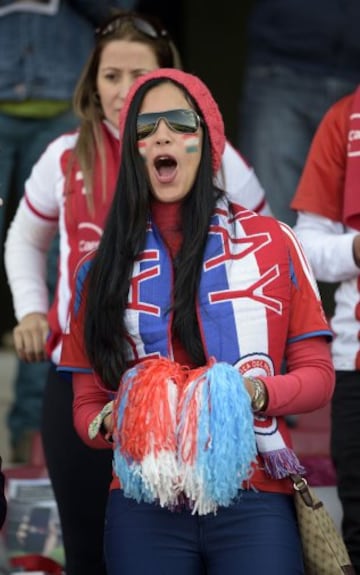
(70, 189)
(180, 321)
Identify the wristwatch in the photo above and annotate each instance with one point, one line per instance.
(260, 398)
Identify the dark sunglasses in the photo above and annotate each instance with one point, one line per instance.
(147, 28)
(180, 121)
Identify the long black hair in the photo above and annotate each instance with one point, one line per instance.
(106, 338)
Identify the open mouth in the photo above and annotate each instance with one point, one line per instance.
(166, 168)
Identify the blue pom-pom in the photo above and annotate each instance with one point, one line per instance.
(226, 444)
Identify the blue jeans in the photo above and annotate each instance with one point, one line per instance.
(258, 534)
(22, 141)
(280, 110)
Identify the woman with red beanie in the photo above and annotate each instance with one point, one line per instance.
(178, 328)
(70, 190)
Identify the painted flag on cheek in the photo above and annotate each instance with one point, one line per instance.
(191, 143)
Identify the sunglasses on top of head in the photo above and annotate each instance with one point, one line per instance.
(147, 28)
(180, 121)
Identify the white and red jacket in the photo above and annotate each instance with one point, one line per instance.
(44, 210)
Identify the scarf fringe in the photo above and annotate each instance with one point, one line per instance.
(281, 463)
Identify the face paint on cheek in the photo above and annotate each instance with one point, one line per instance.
(191, 142)
(142, 149)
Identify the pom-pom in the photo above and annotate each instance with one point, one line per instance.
(145, 438)
(183, 434)
(216, 456)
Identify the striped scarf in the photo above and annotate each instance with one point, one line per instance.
(189, 434)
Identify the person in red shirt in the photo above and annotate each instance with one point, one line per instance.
(178, 328)
(328, 225)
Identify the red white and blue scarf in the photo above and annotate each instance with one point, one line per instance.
(192, 433)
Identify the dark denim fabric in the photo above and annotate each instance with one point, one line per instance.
(318, 37)
(257, 534)
(41, 56)
(279, 113)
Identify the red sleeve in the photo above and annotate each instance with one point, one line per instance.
(310, 377)
(321, 185)
(309, 381)
(89, 399)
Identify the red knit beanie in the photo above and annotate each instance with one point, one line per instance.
(202, 96)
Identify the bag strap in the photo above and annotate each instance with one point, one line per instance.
(301, 486)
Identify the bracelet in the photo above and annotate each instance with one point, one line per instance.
(260, 397)
(95, 425)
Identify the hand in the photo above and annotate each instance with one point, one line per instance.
(108, 424)
(258, 393)
(30, 336)
(356, 249)
(249, 386)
